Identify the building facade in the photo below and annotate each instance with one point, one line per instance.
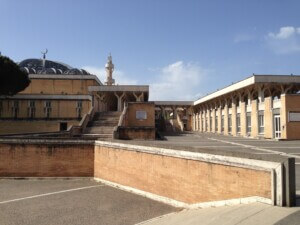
(261, 106)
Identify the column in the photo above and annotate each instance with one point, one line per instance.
(268, 118)
(120, 98)
(226, 118)
(213, 120)
(208, 120)
(254, 118)
(219, 119)
(233, 118)
(243, 118)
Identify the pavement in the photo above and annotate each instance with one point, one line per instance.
(72, 201)
(250, 214)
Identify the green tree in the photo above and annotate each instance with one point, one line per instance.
(12, 79)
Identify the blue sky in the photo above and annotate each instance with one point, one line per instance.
(183, 49)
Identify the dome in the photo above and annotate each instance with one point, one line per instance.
(35, 66)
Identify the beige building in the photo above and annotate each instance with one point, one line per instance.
(261, 106)
(60, 96)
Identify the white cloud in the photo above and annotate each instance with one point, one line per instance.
(118, 75)
(284, 33)
(178, 81)
(287, 40)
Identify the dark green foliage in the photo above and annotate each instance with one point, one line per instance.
(12, 79)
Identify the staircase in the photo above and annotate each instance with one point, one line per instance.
(102, 125)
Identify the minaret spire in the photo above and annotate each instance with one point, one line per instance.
(109, 67)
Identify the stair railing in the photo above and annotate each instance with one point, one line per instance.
(121, 121)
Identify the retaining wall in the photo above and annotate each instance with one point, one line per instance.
(46, 159)
(181, 178)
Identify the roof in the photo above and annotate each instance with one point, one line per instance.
(255, 79)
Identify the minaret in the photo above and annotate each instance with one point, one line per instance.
(109, 67)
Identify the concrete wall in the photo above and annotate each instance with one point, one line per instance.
(133, 107)
(134, 128)
(32, 126)
(59, 108)
(57, 86)
(184, 177)
(46, 160)
(185, 180)
(290, 103)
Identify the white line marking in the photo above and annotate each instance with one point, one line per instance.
(297, 163)
(256, 148)
(51, 193)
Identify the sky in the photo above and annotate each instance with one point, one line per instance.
(183, 49)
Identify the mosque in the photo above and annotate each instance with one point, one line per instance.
(71, 101)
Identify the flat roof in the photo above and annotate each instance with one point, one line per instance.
(111, 88)
(174, 103)
(248, 82)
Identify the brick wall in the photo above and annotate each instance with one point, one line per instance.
(46, 160)
(185, 180)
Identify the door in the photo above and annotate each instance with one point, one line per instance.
(277, 127)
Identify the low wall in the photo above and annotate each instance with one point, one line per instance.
(181, 178)
(188, 177)
(129, 133)
(37, 158)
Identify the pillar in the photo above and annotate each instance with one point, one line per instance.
(243, 118)
(268, 118)
(219, 119)
(120, 98)
(208, 120)
(213, 120)
(233, 118)
(226, 118)
(254, 118)
(283, 117)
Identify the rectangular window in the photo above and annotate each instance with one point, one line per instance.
(31, 109)
(248, 122)
(229, 123)
(79, 109)
(1, 108)
(238, 123)
(222, 123)
(15, 108)
(47, 109)
(261, 122)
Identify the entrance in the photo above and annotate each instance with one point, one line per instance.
(277, 127)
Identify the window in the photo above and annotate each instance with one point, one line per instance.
(229, 123)
(31, 109)
(222, 123)
(48, 109)
(216, 123)
(238, 123)
(63, 126)
(79, 109)
(15, 109)
(1, 108)
(248, 122)
(261, 122)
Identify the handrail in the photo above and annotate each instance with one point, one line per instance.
(83, 122)
(121, 121)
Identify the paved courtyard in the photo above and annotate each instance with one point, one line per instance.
(72, 201)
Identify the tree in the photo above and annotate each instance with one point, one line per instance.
(12, 78)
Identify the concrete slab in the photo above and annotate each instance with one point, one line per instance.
(255, 213)
(72, 201)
